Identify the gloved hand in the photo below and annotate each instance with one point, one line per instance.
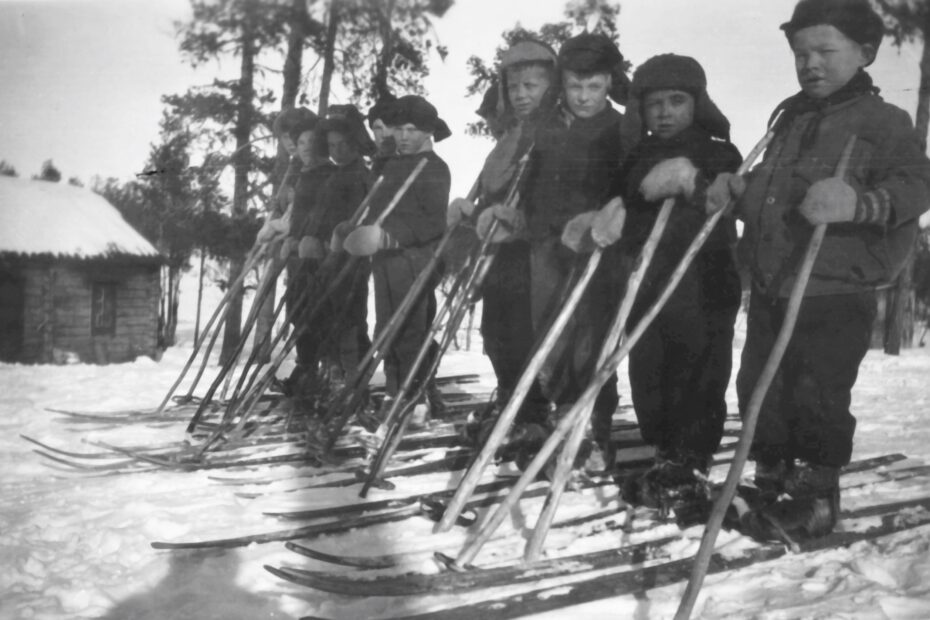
(311, 248)
(367, 240)
(458, 210)
(828, 201)
(669, 178)
(577, 233)
(607, 226)
(726, 189)
(340, 232)
(287, 247)
(511, 224)
(273, 228)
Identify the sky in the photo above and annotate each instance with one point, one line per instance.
(82, 80)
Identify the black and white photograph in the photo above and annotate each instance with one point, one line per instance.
(464, 309)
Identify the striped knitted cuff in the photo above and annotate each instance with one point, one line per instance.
(388, 241)
(873, 207)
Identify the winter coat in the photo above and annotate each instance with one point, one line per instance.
(339, 197)
(573, 165)
(887, 164)
(710, 156)
(419, 219)
(307, 192)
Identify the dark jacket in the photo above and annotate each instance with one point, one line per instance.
(710, 156)
(339, 197)
(307, 192)
(887, 162)
(572, 168)
(420, 217)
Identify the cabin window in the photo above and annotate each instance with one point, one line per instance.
(103, 309)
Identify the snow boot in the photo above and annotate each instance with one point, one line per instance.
(808, 508)
(675, 482)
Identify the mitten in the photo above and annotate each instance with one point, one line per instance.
(828, 201)
(725, 189)
(669, 178)
(273, 228)
(577, 233)
(511, 223)
(367, 240)
(340, 232)
(607, 225)
(458, 210)
(311, 248)
(287, 247)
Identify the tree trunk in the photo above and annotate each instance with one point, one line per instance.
(199, 296)
(174, 294)
(380, 84)
(329, 53)
(896, 323)
(241, 161)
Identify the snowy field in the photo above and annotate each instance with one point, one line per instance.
(77, 545)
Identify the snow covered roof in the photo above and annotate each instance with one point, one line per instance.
(40, 217)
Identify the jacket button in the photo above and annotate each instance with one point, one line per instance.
(770, 200)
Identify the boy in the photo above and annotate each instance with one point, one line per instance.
(384, 140)
(527, 94)
(575, 156)
(342, 139)
(313, 175)
(805, 430)
(401, 248)
(680, 368)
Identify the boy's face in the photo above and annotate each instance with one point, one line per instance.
(409, 139)
(384, 137)
(341, 151)
(288, 143)
(826, 59)
(526, 87)
(305, 147)
(586, 96)
(668, 112)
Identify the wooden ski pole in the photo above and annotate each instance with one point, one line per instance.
(221, 309)
(566, 459)
(241, 399)
(609, 368)
(228, 367)
(358, 214)
(396, 420)
(322, 273)
(504, 421)
(339, 416)
(751, 417)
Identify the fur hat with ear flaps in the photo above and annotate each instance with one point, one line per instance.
(854, 18)
(674, 72)
(589, 53)
(420, 113)
(347, 120)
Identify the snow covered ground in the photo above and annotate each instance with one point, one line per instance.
(77, 545)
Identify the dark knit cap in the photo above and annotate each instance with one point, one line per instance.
(380, 109)
(854, 18)
(589, 53)
(290, 118)
(417, 111)
(308, 123)
(669, 72)
(347, 120)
